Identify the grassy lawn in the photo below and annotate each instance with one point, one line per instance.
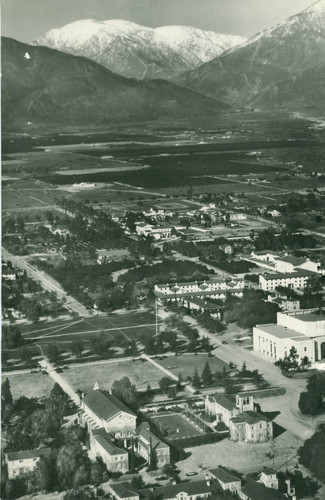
(187, 363)
(31, 385)
(140, 373)
(176, 425)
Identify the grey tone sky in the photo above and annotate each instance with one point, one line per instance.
(27, 19)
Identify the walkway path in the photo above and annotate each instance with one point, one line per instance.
(67, 388)
(166, 371)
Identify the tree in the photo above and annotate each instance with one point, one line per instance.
(126, 392)
(57, 402)
(196, 381)
(206, 377)
(6, 401)
(73, 466)
(77, 347)
(45, 476)
(165, 383)
(310, 403)
(289, 363)
(137, 482)
(25, 355)
(312, 453)
(53, 352)
(11, 336)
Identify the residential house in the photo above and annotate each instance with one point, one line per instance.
(227, 480)
(239, 415)
(151, 448)
(115, 458)
(21, 462)
(100, 409)
(122, 491)
(8, 273)
(227, 249)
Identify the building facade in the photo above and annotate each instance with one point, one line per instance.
(22, 462)
(115, 458)
(151, 448)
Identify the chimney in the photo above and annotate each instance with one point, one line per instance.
(207, 479)
(96, 386)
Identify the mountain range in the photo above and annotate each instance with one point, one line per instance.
(135, 51)
(242, 75)
(48, 87)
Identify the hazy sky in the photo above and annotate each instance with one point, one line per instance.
(27, 19)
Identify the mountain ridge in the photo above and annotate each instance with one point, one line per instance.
(136, 51)
(83, 92)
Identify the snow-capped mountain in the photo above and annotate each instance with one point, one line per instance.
(136, 51)
(242, 73)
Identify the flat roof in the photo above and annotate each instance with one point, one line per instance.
(310, 317)
(281, 332)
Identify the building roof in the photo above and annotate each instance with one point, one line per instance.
(203, 303)
(104, 440)
(310, 317)
(226, 402)
(144, 432)
(124, 490)
(295, 274)
(191, 488)
(249, 417)
(291, 259)
(104, 404)
(279, 331)
(24, 455)
(224, 475)
(257, 491)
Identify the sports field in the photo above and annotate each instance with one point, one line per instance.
(175, 425)
(187, 363)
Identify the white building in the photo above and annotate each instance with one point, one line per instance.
(115, 458)
(304, 330)
(21, 462)
(103, 410)
(213, 287)
(296, 280)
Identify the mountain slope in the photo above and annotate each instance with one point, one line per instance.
(48, 87)
(305, 91)
(136, 51)
(240, 74)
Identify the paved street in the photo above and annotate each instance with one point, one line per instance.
(46, 282)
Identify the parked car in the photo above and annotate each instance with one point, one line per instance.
(191, 473)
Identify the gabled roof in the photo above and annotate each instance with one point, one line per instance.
(249, 417)
(104, 440)
(105, 405)
(257, 491)
(191, 488)
(224, 475)
(225, 401)
(144, 432)
(24, 455)
(124, 490)
(291, 259)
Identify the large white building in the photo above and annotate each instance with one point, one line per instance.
(296, 280)
(213, 287)
(304, 330)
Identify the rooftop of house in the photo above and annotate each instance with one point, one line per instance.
(105, 441)
(257, 491)
(124, 490)
(224, 475)
(26, 454)
(291, 259)
(249, 417)
(281, 332)
(191, 488)
(226, 402)
(144, 432)
(104, 404)
(203, 303)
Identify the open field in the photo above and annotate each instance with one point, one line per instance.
(244, 457)
(175, 425)
(141, 373)
(31, 385)
(187, 363)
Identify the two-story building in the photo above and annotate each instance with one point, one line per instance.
(114, 457)
(227, 480)
(239, 415)
(151, 448)
(21, 462)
